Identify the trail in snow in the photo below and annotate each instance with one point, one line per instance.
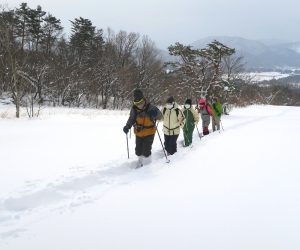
(67, 192)
(38, 200)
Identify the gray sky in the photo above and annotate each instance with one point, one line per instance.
(168, 21)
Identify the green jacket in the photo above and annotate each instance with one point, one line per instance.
(217, 108)
(191, 117)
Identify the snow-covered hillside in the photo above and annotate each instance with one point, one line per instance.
(66, 183)
(258, 54)
(265, 76)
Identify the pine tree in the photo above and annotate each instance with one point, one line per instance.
(51, 30)
(84, 38)
(35, 25)
(213, 55)
(22, 17)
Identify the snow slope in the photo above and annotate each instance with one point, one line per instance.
(66, 183)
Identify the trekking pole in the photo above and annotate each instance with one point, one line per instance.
(167, 160)
(127, 145)
(130, 133)
(198, 132)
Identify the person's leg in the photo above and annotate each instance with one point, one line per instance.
(214, 124)
(140, 161)
(205, 131)
(218, 120)
(206, 124)
(147, 145)
(190, 135)
(139, 151)
(167, 143)
(186, 137)
(138, 146)
(173, 144)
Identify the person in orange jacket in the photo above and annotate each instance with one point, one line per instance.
(143, 116)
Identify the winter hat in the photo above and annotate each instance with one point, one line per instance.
(137, 95)
(202, 101)
(170, 99)
(188, 101)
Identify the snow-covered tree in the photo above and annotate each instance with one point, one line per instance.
(200, 70)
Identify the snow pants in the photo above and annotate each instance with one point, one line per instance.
(171, 143)
(143, 145)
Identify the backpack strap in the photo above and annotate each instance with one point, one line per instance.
(176, 110)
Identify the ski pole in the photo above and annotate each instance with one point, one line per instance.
(127, 145)
(130, 133)
(167, 160)
(198, 132)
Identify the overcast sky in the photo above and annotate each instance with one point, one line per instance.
(168, 21)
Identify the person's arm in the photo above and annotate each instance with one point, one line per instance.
(195, 115)
(131, 119)
(154, 114)
(159, 115)
(181, 118)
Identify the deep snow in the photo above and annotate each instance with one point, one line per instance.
(66, 183)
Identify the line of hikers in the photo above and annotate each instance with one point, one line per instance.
(143, 117)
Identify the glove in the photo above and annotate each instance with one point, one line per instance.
(125, 129)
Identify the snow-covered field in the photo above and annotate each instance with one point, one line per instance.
(66, 183)
(266, 76)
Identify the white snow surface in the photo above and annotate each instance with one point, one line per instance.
(266, 76)
(66, 183)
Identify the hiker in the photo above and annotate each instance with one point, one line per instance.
(143, 116)
(206, 112)
(217, 110)
(191, 119)
(173, 120)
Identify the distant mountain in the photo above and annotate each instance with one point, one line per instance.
(242, 45)
(293, 46)
(166, 57)
(258, 54)
(273, 41)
